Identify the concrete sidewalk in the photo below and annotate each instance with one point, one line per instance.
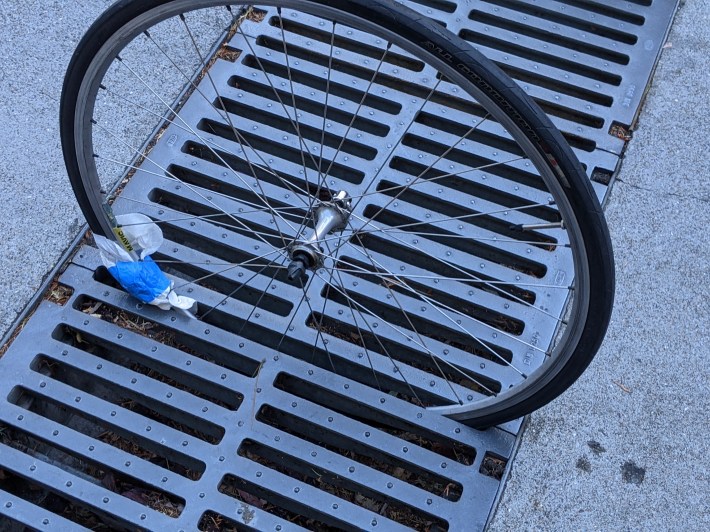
(627, 447)
(38, 213)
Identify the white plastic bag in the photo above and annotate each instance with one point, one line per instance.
(141, 278)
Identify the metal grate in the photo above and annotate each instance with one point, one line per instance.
(586, 62)
(120, 415)
(152, 421)
(398, 115)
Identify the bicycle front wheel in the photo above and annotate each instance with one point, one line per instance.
(382, 201)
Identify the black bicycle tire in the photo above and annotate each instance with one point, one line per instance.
(481, 73)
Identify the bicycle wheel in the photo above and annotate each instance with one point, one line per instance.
(381, 199)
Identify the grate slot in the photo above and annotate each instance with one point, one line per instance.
(225, 253)
(336, 89)
(413, 256)
(493, 466)
(174, 338)
(407, 431)
(550, 15)
(111, 434)
(493, 225)
(274, 503)
(562, 87)
(211, 185)
(448, 239)
(478, 135)
(118, 354)
(99, 473)
(132, 400)
(451, 180)
(256, 116)
(233, 184)
(549, 37)
(337, 357)
(610, 11)
(338, 41)
(62, 511)
(439, 5)
(276, 149)
(474, 161)
(303, 104)
(369, 456)
(533, 55)
(396, 351)
(465, 306)
(340, 487)
(219, 522)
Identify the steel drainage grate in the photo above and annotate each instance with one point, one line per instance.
(120, 415)
(586, 62)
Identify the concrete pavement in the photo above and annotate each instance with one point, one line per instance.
(38, 213)
(626, 448)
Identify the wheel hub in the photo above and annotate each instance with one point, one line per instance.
(307, 254)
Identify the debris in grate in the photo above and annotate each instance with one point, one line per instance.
(417, 435)
(599, 175)
(620, 131)
(369, 456)
(341, 487)
(58, 293)
(493, 466)
(28, 490)
(129, 399)
(113, 480)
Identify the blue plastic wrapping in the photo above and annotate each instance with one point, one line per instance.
(143, 279)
